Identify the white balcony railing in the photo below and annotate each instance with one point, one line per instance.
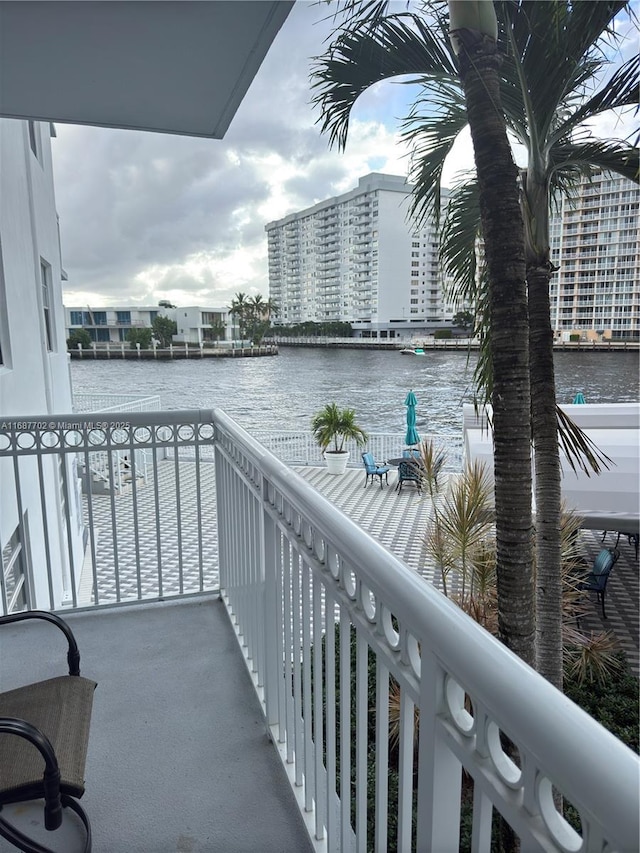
(339, 637)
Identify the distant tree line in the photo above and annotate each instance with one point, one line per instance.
(311, 329)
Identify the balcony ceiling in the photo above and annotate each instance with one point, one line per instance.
(172, 67)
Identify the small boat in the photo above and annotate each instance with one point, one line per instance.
(415, 351)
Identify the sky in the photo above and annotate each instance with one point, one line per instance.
(148, 216)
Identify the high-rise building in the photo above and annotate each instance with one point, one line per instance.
(595, 242)
(357, 258)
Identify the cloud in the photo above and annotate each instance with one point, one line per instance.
(149, 216)
(146, 216)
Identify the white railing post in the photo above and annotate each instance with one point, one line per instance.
(271, 621)
(439, 775)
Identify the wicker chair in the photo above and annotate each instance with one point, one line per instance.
(44, 733)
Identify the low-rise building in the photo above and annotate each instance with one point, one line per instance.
(110, 325)
(195, 324)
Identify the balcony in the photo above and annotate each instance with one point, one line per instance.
(179, 748)
(328, 622)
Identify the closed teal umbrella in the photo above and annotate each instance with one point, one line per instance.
(411, 436)
(579, 398)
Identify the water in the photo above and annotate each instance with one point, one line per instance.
(283, 392)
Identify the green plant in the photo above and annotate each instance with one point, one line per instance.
(218, 330)
(164, 329)
(433, 460)
(140, 336)
(442, 334)
(335, 425)
(79, 336)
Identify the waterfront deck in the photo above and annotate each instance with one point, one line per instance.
(397, 521)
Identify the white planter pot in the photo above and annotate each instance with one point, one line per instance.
(336, 462)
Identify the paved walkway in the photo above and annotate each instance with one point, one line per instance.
(397, 520)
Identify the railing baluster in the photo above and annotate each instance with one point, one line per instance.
(45, 534)
(345, 729)
(406, 740)
(318, 687)
(333, 824)
(382, 754)
(309, 777)
(135, 516)
(297, 657)
(361, 726)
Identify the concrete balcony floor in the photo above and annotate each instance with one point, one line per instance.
(179, 755)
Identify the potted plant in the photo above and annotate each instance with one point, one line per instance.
(331, 427)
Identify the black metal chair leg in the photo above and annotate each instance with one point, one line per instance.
(28, 845)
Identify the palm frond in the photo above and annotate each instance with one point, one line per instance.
(483, 372)
(582, 156)
(458, 243)
(581, 452)
(386, 47)
(559, 44)
(556, 51)
(622, 90)
(436, 120)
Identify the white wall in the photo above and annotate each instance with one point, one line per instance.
(394, 257)
(33, 380)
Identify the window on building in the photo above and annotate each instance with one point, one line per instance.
(100, 318)
(76, 318)
(14, 572)
(45, 276)
(123, 318)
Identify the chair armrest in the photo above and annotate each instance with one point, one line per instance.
(73, 655)
(52, 804)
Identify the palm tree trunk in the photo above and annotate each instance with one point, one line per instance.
(547, 470)
(503, 233)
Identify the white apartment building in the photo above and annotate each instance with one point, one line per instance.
(112, 325)
(356, 258)
(195, 323)
(595, 242)
(34, 371)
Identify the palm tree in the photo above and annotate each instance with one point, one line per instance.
(239, 307)
(271, 308)
(556, 48)
(363, 52)
(553, 53)
(335, 425)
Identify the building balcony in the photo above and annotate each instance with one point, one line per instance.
(180, 757)
(210, 537)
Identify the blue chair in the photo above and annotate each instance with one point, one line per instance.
(411, 454)
(596, 580)
(374, 470)
(409, 472)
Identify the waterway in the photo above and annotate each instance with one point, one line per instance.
(283, 392)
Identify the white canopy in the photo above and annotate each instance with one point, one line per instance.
(611, 496)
